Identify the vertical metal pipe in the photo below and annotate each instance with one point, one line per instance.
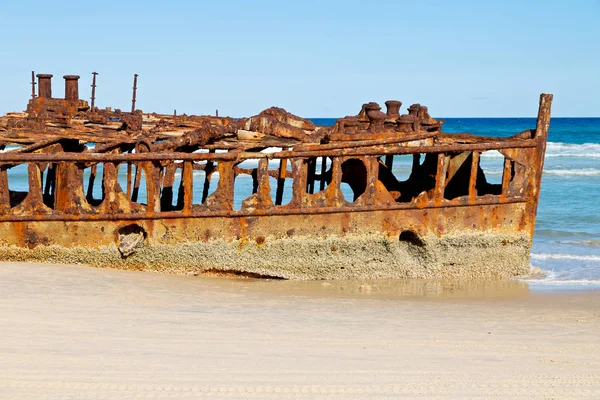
(135, 76)
(32, 84)
(93, 89)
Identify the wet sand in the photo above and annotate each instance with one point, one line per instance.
(86, 333)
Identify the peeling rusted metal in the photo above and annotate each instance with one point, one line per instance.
(63, 142)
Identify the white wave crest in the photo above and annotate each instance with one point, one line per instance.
(558, 256)
(559, 149)
(573, 172)
(549, 278)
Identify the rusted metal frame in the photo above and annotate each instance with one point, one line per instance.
(285, 210)
(365, 136)
(263, 189)
(365, 143)
(88, 135)
(440, 178)
(153, 176)
(111, 146)
(371, 163)
(541, 136)
(187, 186)
(111, 200)
(469, 138)
(506, 176)
(381, 151)
(36, 146)
(4, 190)
(336, 180)
(274, 173)
(33, 201)
(406, 150)
(129, 170)
(136, 183)
(245, 171)
(225, 188)
(473, 177)
(227, 146)
(299, 185)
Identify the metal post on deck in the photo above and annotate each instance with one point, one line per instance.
(32, 84)
(135, 76)
(93, 90)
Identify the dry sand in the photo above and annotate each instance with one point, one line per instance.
(85, 333)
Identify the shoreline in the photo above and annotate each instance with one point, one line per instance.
(76, 331)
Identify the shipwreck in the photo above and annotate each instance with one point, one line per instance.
(263, 195)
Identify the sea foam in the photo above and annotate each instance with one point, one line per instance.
(558, 256)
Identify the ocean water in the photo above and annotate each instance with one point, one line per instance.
(566, 244)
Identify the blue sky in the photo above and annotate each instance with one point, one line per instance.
(314, 58)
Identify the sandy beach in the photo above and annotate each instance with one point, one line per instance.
(85, 333)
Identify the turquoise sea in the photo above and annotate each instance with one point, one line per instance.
(566, 244)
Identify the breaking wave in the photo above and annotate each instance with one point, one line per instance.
(573, 172)
(560, 149)
(558, 256)
(550, 278)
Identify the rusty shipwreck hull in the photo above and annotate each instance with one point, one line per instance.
(149, 191)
